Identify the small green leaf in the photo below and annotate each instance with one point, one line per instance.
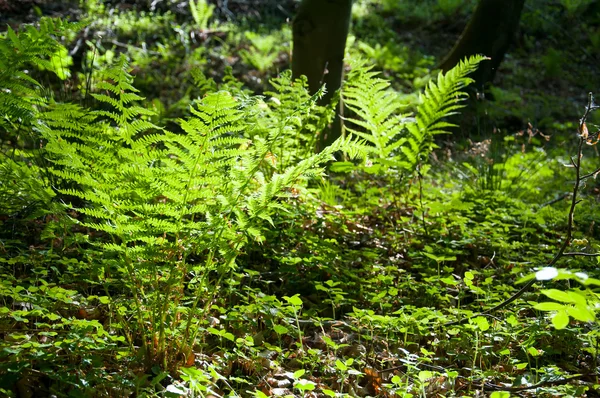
(439, 259)
(524, 279)
(427, 353)
(280, 329)
(560, 320)
(500, 394)
(294, 300)
(558, 295)
(305, 385)
(512, 320)
(452, 374)
(581, 314)
(534, 352)
(449, 281)
(341, 365)
(482, 323)
(18, 336)
(577, 298)
(589, 281)
(549, 306)
(425, 375)
(299, 373)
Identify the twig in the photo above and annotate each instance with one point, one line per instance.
(125, 45)
(582, 133)
(592, 174)
(582, 254)
(555, 200)
(557, 382)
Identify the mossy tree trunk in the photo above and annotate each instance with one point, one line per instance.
(320, 29)
(490, 32)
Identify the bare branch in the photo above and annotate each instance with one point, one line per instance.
(557, 382)
(576, 164)
(582, 254)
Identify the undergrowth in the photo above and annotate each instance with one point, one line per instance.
(211, 254)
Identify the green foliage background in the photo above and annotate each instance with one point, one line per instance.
(174, 234)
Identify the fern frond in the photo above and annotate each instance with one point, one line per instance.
(388, 137)
(378, 121)
(292, 115)
(202, 12)
(441, 99)
(19, 92)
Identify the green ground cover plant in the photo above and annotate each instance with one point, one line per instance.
(167, 229)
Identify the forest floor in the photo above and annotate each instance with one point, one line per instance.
(363, 285)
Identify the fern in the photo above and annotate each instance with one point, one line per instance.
(293, 114)
(20, 95)
(24, 183)
(202, 12)
(390, 139)
(378, 121)
(161, 196)
(261, 52)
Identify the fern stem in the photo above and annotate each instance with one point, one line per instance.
(138, 303)
(217, 236)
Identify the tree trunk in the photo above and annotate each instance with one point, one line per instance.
(489, 32)
(320, 29)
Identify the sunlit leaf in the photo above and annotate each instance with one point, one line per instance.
(294, 300)
(305, 385)
(560, 320)
(558, 295)
(299, 373)
(581, 314)
(549, 306)
(341, 365)
(534, 352)
(425, 375)
(482, 323)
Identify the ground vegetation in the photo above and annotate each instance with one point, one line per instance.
(167, 228)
